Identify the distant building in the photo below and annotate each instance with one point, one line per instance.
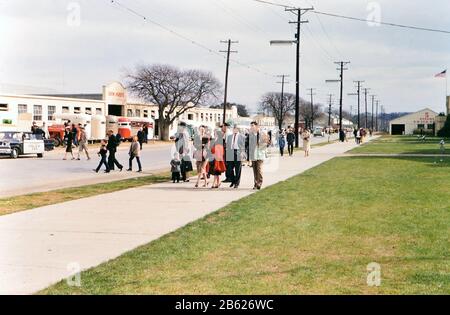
(423, 120)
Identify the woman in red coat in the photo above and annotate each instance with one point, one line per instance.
(217, 151)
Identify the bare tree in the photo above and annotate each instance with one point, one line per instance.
(305, 111)
(279, 108)
(175, 91)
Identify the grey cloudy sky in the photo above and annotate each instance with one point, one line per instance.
(43, 52)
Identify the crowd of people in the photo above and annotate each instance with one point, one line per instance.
(220, 152)
(361, 135)
(224, 151)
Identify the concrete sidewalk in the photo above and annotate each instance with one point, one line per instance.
(41, 246)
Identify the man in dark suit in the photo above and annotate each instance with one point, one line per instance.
(290, 137)
(235, 154)
(112, 148)
(141, 137)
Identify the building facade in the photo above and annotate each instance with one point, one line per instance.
(18, 112)
(421, 121)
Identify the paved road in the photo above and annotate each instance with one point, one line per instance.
(28, 175)
(44, 245)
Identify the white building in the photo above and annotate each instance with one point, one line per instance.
(18, 112)
(407, 125)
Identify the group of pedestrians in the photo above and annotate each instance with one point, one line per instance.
(219, 152)
(110, 160)
(288, 137)
(361, 135)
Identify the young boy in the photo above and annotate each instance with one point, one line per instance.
(176, 168)
(102, 153)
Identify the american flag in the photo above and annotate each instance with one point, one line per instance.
(443, 74)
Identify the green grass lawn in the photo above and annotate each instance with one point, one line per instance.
(402, 145)
(313, 234)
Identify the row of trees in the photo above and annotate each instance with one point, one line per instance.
(177, 91)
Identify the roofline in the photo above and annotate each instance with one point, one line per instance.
(53, 98)
(419, 111)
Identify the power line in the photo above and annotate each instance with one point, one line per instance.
(384, 23)
(361, 20)
(274, 4)
(179, 35)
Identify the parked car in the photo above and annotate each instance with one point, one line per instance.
(319, 132)
(15, 144)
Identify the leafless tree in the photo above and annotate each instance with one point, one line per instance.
(279, 108)
(174, 91)
(305, 111)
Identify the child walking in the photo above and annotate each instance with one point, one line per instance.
(176, 168)
(103, 153)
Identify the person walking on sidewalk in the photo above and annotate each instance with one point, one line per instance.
(218, 152)
(281, 142)
(103, 161)
(290, 137)
(235, 156)
(182, 144)
(259, 142)
(201, 142)
(69, 142)
(228, 163)
(82, 144)
(306, 136)
(135, 153)
(112, 148)
(141, 137)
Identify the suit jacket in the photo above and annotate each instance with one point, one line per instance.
(258, 144)
(230, 150)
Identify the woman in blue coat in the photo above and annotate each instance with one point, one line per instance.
(281, 141)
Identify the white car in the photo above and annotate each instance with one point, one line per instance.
(319, 132)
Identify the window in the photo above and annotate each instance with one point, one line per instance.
(65, 110)
(430, 127)
(77, 110)
(138, 113)
(51, 112)
(190, 116)
(22, 109)
(145, 113)
(37, 112)
(99, 111)
(129, 113)
(88, 111)
(421, 126)
(3, 107)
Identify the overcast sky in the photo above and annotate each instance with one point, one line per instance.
(45, 49)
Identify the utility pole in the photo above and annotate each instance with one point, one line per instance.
(373, 112)
(283, 82)
(311, 94)
(330, 107)
(342, 65)
(366, 93)
(359, 102)
(228, 52)
(378, 126)
(299, 12)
